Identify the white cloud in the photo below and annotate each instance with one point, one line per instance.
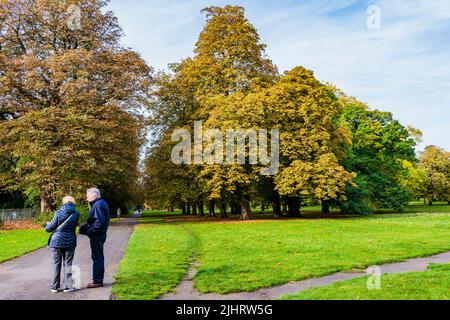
(403, 68)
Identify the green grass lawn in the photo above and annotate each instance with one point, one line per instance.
(237, 256)
(433, 284)
(156, 260)
(15, 243)
(417, 207)
(247, 256)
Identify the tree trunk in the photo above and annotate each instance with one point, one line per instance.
(45, 205)
(194, 208)
(246, 213)
(171, 208)
(201, 212)
(325, 207)
(183, 209)
(223, 209)
(263, 207)
(244, 204)
(285, 210)
(430, 202)
(211, 208)
(236, 208)
(294, 207)
(188, 208)
(276, 204)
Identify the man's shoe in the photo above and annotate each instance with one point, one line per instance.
(94, 285)
(70, 290)
(55, 291)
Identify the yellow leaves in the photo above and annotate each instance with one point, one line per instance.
(323, 178)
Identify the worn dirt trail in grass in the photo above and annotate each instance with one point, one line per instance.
(28, 277)
(186, 291)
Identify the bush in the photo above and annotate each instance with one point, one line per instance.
(358, 199)
(48, 216)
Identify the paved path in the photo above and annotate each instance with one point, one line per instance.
(186, 291)
(28, 277)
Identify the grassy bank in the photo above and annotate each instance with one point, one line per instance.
(14, 243)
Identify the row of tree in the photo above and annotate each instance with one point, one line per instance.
(333, 148)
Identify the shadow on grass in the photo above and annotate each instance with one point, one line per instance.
(268, 217)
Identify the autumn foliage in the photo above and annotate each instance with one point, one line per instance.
(69, 97)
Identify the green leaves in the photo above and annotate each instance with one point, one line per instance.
(380, 144)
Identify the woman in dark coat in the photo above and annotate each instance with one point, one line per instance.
(62, 243)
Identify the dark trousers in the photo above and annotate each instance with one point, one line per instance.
(98, 259)
(60, 256)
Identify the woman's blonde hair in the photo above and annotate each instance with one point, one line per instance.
(68, 199)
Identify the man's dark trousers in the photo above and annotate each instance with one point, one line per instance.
(98, 271)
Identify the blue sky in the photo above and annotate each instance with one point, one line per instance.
(402, 67)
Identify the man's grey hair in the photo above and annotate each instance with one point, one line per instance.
(95, 192)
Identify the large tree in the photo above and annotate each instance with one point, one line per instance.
(435, 162)
(69, 83)
(380, 145)
(229, 59)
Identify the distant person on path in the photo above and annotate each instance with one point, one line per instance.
(119, 211)
(62, 243)
(96, 228)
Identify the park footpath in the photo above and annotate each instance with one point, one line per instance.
(186, 291)
(28, 277)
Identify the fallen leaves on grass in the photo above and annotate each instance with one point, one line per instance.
(20, 225)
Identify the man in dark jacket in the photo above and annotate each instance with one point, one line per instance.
(62, 243)
(97, 227)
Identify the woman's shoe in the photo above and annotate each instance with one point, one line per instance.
(70, 290)
(55, 291)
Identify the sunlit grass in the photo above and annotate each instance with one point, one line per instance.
(156, 260)
(14, 243)
(433, 284)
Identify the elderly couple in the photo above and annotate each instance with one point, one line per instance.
(63, 239)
